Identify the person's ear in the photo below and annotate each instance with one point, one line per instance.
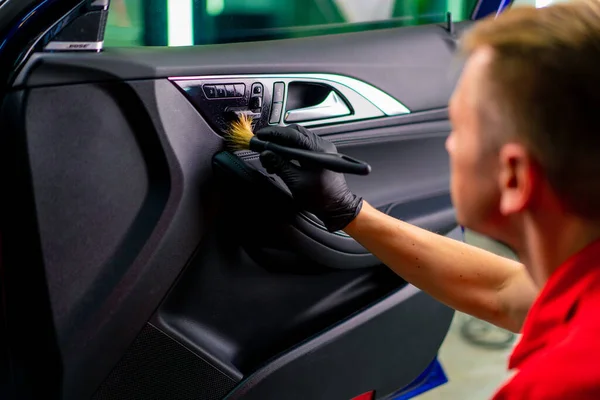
(516, 178)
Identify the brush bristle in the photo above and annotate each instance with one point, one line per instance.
(240, 133)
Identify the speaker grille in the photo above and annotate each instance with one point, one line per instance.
(157, 367)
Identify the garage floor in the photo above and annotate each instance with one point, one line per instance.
(474, 372)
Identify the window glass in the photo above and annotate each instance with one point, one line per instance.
(188, 22)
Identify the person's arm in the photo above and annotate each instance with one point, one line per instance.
(464, 277)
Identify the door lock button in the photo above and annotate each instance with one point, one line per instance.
(278, 90)
(276, 113)
(277, 108)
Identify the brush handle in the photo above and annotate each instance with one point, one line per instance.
(332, 161)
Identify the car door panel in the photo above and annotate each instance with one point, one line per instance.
(112, 278)
(178, 270)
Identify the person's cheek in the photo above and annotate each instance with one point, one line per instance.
(450, 143)
(454, 173)
(454, 156)
(460, 177)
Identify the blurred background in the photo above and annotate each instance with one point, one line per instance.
(474, 354)
(196, 22)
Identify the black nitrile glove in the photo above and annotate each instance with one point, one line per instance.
(319, 191)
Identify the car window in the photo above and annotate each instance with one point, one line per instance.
(189, 22)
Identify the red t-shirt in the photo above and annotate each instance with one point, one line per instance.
(558, 356)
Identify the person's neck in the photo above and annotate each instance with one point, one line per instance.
(548, 241)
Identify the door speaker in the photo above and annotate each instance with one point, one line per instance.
(157, 367)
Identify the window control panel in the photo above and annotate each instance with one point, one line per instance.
(225, 91)
(222, 100)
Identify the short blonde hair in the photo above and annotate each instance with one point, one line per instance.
(545, 76)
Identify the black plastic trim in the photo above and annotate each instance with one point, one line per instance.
(290, 372)
(30, 331)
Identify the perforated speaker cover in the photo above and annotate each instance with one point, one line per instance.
(157, 367)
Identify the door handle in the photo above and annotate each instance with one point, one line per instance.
(333, 106)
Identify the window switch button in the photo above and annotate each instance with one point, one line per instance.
(221, 92)
(230, 89)
(240, 90)
(210, 91)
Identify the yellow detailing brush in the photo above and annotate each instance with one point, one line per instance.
(240, 137)
(240, 133)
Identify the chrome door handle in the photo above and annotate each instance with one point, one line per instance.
(333, 106)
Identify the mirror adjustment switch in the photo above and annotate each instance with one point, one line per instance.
(257, 89)
(276, 113)
(255, 103)
(278, 89)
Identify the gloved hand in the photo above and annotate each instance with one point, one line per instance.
(321, 192)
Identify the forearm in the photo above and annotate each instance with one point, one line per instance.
(464, 277)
